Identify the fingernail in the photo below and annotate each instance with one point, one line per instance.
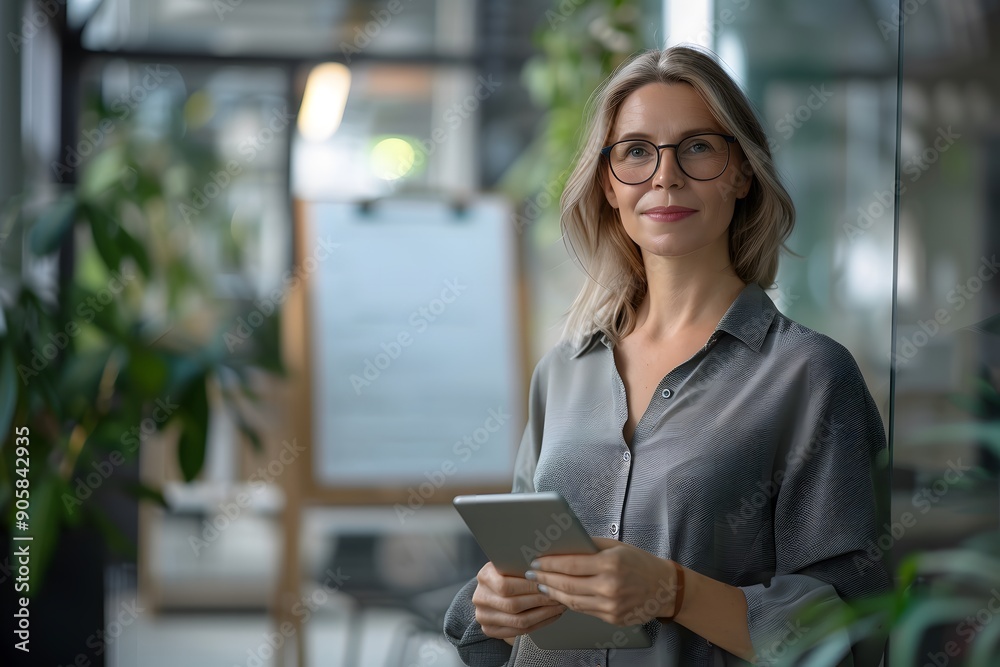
(531, 574)
(535, 565)
(543, 589)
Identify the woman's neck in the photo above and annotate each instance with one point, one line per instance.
(685, 295)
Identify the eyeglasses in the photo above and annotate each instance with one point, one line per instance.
(700, 156)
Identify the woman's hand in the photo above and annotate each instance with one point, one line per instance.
(620, 584)
(510, 606)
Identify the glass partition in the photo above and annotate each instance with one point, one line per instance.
(824, 78)
(947, 349)
(888, 146)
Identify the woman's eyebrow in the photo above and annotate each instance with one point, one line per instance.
(681, 135)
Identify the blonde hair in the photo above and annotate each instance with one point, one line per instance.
(616, 281)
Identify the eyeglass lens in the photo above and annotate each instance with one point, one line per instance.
(700, 157)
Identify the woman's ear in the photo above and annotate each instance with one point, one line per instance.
(746, 178)
(609, 192)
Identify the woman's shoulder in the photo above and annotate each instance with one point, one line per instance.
(570, 347)
(792, 342)
(566, 357)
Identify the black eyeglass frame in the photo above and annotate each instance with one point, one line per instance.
(730, 139)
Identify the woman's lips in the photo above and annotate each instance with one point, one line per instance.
(668, 213)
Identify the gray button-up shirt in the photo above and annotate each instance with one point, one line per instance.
(759, 462)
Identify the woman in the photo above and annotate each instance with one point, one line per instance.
(722, 455)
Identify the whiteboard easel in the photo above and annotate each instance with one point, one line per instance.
(390, 439)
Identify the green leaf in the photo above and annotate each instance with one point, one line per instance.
(69, 502)
(140, 491)
(985, 542)
(908, 570)
(132, 248)
(968, 404)
(8, 388)
(908, 635)
(987, 392)
(107, 318)
(42, 391)
(51, 226)
(106, 232)
(961, 564)
(194, 436)
(878, 605)
(82, 372)
(107, 436)
(103, 171)
(986, 648)
(184, 370)
(148, 371)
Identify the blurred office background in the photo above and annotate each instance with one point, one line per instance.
(219, 136)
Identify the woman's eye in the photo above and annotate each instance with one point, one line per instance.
(699, 147)
(636, 151)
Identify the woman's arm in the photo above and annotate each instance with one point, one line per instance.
(461, 628)
(717, 612)
(625, 585)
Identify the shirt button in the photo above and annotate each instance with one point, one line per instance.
(626, 457)
(614, 529)
(666, 393)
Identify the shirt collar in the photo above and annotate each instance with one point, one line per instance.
(589, 342)
(748, 319)
(750, 316)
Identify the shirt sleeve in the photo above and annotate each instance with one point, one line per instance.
(460, 625)
(462, 629)
(832, 498)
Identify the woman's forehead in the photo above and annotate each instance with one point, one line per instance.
(658, 108)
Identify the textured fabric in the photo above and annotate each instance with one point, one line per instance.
(754, 464)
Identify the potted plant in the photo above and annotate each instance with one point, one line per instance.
(127, 346)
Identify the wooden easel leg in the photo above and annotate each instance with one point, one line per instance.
(288, 595)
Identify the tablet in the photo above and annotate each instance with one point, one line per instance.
(515, 528)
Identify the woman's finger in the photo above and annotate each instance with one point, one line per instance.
(578, 565)
(573, 585)
(484, 597)
(504, 585)
(587, 604)
(496, 623)
(548, 621)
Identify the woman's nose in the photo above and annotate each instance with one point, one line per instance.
(668, 173)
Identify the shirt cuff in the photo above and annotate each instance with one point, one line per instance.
(772, 618)
(461, 628)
